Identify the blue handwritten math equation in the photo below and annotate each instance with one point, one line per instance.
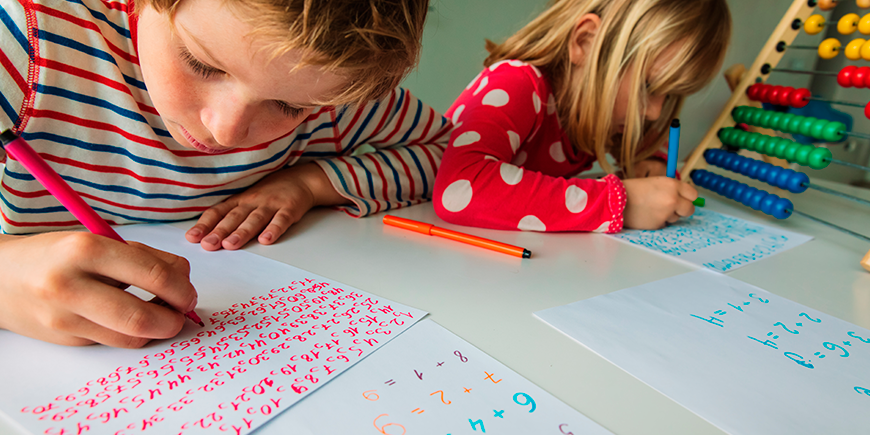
(792, 327)
(525, 404)
(707, 229)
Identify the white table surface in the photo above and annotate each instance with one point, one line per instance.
(488, 298)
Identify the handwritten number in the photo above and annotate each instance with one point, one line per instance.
(810, 318)
(461, 358)
(785, 327)
(527, 400)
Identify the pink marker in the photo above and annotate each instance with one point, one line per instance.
(19, 150)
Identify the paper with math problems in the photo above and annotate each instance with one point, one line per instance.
(273, 335)
(744, 359)
(430, 381)
(714, 240)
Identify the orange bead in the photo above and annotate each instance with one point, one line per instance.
(814, 24)
(848, 24)
(827, 5)
(853, 49)
(864, 25)
(865, 262)
(863, 4)
(829, 48)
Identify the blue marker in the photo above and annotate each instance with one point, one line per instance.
(673, 148)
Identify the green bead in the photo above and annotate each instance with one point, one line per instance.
(724, 134)
(735, 136)
(737, 114)
(771, 146)
(792, 149)
(752, 140)
(761, 144)
(819, 158)
(773, 121)
(818, 128)
(784, 122)
(764, 119)
(833, 132)
(754, 117)
(803, 154)
(806, 126)
(781, 146)
(741, 140)
(795, 124)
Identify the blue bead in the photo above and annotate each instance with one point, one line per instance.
(755, 201)
(696, 176)
(772, 175)
(782, 208)
(743, 168)
(738, 191)
(725, 161)
(709, 154)
(728, 192)
(761, 173)
(736, 161)
(798, 182)
(768, 203)
(747, 195)
(752, 171)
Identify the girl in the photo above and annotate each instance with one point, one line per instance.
(584, 79)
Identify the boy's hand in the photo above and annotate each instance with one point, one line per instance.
(653, 202)
(267, 208)
(63, 288)
(652, 167)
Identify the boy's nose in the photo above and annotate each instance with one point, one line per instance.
(229, 124)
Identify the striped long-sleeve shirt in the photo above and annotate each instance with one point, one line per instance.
(70, 84)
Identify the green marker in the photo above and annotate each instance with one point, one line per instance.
(699, 202)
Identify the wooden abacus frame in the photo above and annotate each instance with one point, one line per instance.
(787, 30)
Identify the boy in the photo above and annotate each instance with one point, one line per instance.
(244, 111)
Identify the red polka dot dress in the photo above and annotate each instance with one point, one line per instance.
(509, 159)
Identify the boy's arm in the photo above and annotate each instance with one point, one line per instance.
(14, 62)
(409, 138)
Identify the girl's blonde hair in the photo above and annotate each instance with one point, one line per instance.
(373, 43)
(632, 33)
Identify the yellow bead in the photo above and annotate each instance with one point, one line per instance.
(814, 24)
(827, 5)
(829, 48)
(853, 49)
(863, 4)
(864, 25)
(865, 51)
(848, 24)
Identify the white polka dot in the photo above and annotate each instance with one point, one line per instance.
(575, 199)
(514, 139)
(532, 136)
(474, 81)
(482, 85)
(531, 223)
(457, 113)
(491, 158)
(536, 100)
(511, 174)
(456, 196)
(551, 105)
(556, 152)
(496, 98)
(457, 125)
(536, 70)
(520, 158)
(603, 227)
(495, 66)
(467, 138)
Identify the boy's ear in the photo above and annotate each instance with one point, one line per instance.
(581, 37)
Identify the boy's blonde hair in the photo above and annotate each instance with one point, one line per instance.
(632, 33)
(372, 43)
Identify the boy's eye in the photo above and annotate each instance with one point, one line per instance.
(288, 109)
(198, 67)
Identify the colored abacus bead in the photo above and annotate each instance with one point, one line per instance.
(853, 49)
(864, 25)
(753, 90)
(800, 98)
(867, 110)
(844, 77)
(814, 24)
(819, 158)
(865, 50)
(848, 24)
(863, 4)
(806, 125)
(861, 77)
(833, 132)
(829, 48)
(802, 156)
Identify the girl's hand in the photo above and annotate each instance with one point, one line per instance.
(63, 288)
(653, 202)
(267, 208)
(651, 167)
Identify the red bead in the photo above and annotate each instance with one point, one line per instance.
(844, 78)
(745, 127)
(753, 91)
(784, 96)
(800, 98)
(861, 77)
(867, 110)
(773, 95)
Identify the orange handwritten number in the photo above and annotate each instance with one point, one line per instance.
(442, 397)
(383, 429)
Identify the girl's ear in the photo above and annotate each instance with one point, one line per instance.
(581, 38)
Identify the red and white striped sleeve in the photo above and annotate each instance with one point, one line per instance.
(409, 138)
(14, 62)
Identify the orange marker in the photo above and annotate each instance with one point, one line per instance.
(432, 230)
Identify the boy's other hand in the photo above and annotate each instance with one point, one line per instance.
(67, 292)
(653, 202)
(265, 210)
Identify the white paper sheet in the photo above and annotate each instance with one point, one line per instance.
(744, 359)
(714, 240)
(273, 335)
(429, 381)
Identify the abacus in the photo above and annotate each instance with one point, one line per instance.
(741, 114)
